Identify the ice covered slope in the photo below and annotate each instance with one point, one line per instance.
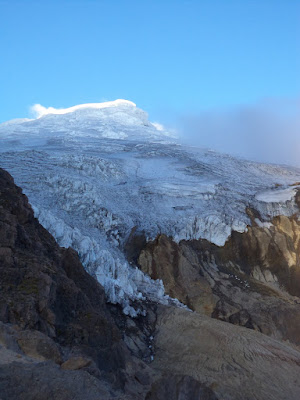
(95, 172)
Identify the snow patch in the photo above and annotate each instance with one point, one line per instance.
(276, 195)
(261, 224)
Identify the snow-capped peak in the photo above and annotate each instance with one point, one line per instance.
(39, 111)
(96, 172)
(119, 119)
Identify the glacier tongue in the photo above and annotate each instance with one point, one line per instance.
(95, 173)
(121, 281)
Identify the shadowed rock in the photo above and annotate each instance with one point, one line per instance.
(59, 310)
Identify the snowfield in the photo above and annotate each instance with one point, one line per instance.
(94, 172)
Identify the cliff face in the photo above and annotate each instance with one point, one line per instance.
(53, 315)
(253, 280)
(44, 287)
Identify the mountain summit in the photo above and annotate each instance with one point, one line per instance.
(117, 119)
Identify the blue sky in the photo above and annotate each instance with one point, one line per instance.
(169, 57)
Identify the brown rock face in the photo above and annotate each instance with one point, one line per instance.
(253, 280)
(234, 362)
(57, 306)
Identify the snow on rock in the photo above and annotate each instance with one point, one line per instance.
(276, 195)
(274, 201)
(95, 172)
(261, 224)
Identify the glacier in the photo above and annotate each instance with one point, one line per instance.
(95, 172)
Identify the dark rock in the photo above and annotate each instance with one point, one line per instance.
(178, 387)
(76, 363)
(45, 381)
(8, 338)
(47, 294)
(37, 345)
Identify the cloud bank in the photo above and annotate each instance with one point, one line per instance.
(268, 131)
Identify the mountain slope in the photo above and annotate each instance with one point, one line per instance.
(95, 175)
(58, 338)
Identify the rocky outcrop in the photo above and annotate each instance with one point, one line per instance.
(30, 369)
(253, 280)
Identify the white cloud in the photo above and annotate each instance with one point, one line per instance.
(37, 110)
